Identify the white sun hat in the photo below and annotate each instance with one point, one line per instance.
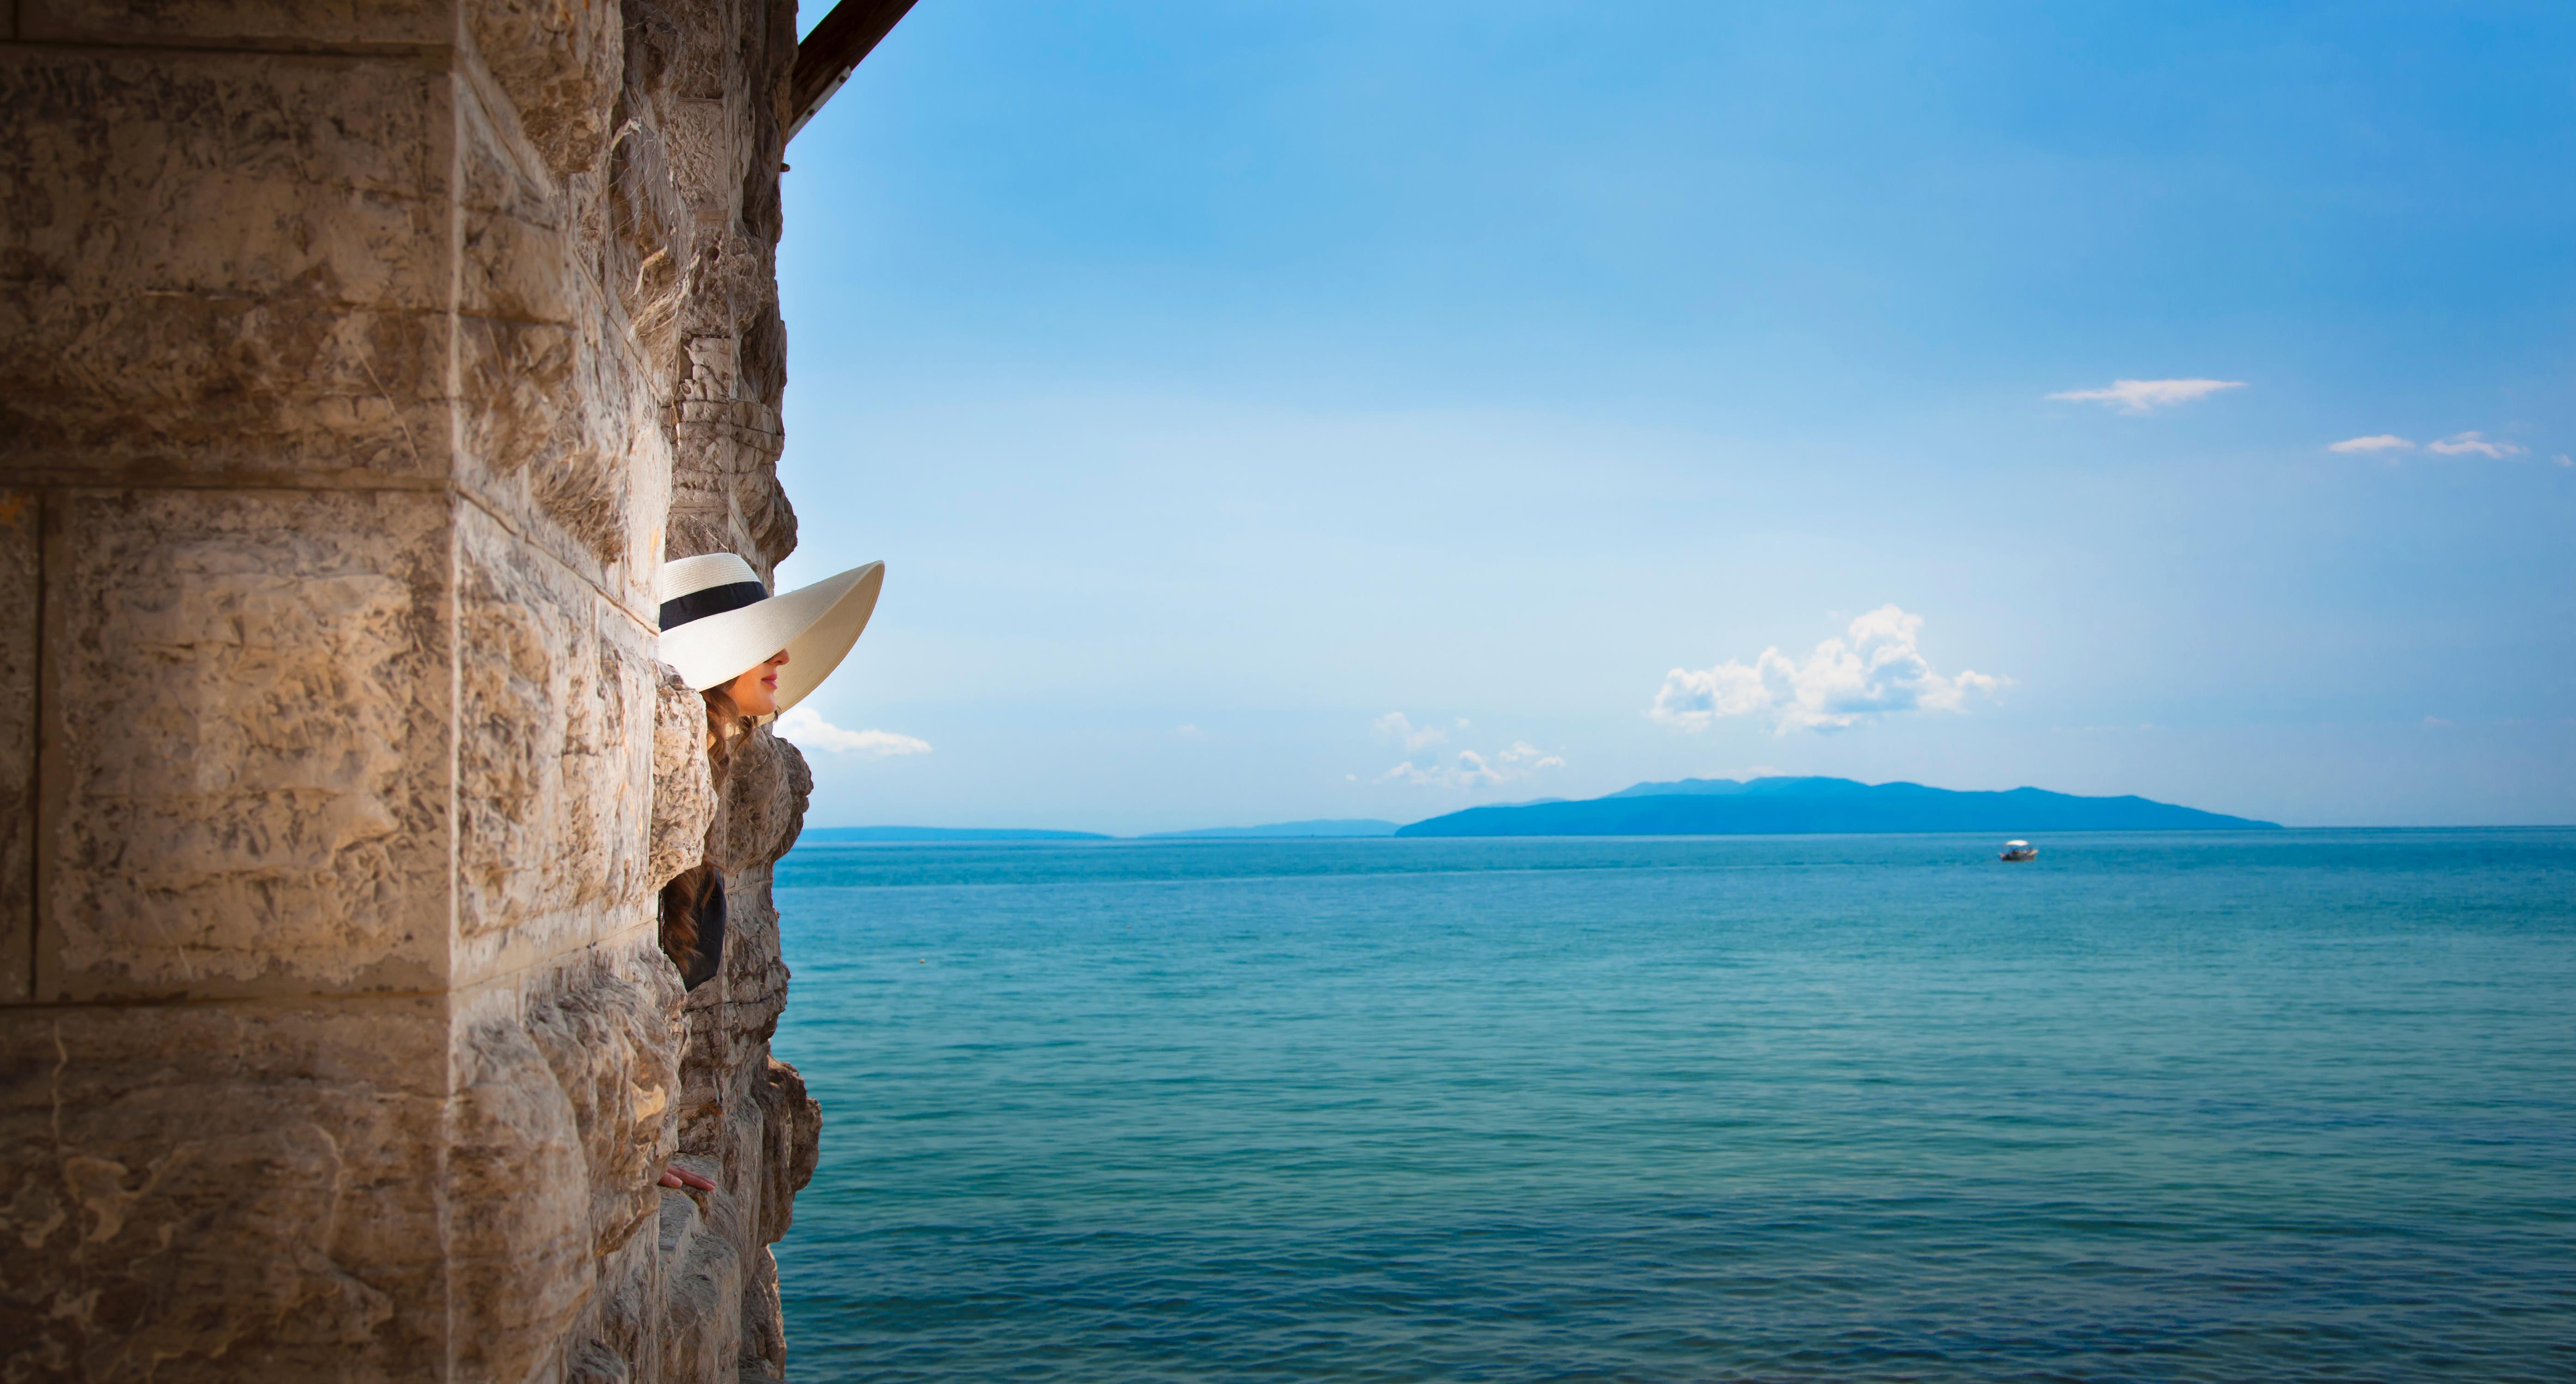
(719, 622)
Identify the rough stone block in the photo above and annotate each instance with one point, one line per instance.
(703, 1277)
(767, 790)
(725, 492)
(616, 1339)
(223, 1192)
(764, 1321)
(706, 152)
(21, 519)
(248, 702)
(301, 22)
(203, 275)
(653, 238)
(556, 731)
(792, 1127)
(563, 1122)
(559, 63)
(223, 264)
(684, 791)
(559, 428)
(553, 442)
(608, 1025)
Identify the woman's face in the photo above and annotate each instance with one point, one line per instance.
(756, 692)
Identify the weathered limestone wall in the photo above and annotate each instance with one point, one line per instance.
(363, 359)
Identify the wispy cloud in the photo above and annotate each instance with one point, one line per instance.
(2473, 443)
(1531, 756)
(810, 731)
(2142, 396)
(1875, 669)
(1394, 726)
(1466, 768)
(2460, 444)
(1469, 769)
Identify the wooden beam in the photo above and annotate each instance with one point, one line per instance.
(829, 54)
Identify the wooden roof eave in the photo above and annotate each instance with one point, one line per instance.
(832, 51)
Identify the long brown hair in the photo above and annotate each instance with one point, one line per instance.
(688, 890)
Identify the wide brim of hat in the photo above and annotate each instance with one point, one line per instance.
(815, 624)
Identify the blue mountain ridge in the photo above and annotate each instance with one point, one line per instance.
(1787, 806)
(824, 835)
(1317, 827)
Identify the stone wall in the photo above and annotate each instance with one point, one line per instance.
(364, 359)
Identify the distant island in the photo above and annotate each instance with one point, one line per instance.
(1683, 807)
(1321, 826)
(1785, 806)
(944, 834)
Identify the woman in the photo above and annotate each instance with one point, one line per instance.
(751, 655)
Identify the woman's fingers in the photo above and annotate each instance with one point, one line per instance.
(672, 1180)
(685, 1178)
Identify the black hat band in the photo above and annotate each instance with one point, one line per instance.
(714, 600)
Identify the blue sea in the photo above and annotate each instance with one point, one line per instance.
(2261, 1106)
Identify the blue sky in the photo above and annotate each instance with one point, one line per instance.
(1331, 409)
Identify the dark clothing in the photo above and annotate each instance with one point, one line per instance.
(708, 959)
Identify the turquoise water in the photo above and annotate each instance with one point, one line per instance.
(2294, 1105)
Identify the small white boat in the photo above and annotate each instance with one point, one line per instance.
(2019, 850)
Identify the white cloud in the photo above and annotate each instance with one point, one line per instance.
(1875, 669)
(2566, 460)
(1467, 768)
(1524, 753)
(1394, 726)
(1472, 770)
(2383, 442)
(811, 731)
(2140, 396)
(2462, 444)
